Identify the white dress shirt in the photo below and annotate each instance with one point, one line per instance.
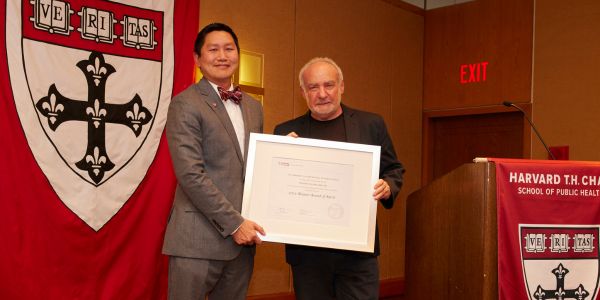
(235, 115)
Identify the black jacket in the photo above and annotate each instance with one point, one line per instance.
(363, 128)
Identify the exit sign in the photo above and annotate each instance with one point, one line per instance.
(471, 73)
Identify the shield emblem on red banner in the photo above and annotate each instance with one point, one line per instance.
(560, 261)
(91, 82)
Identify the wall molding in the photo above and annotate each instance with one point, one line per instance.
(391, 287)
(406, 6)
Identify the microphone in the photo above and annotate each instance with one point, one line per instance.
(510, 104)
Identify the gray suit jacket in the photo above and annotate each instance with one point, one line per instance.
(209, 167)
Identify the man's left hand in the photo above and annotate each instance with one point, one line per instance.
(381, 190)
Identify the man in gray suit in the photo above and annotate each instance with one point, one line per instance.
(327, 274)
(210, 245)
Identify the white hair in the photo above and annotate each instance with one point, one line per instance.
(317, 60)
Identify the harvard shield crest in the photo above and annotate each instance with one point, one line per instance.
(560, 261)
(91, 82)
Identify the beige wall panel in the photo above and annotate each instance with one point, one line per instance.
(354, 35)
(566, 88)
(404, 124)
(379, 46)
(264, 26)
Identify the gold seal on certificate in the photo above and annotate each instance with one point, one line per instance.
(312, 192)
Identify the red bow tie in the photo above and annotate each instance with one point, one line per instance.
(235, 95)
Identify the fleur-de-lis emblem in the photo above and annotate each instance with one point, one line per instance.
(97, 160)
(52, 108)
(539, 293)
(96, 112)
(96, 70)
(560, 293)
(581, 293)
(560, 271)
(135, 116)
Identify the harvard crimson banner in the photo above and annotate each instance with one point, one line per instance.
(86, 182)
(548, 229)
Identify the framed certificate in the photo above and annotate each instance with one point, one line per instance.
(312, 192)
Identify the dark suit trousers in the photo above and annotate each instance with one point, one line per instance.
(341, 276)
(193, 278)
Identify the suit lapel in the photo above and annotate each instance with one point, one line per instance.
(209, 95)
(352, 125)
(303, 128)
(247, 116)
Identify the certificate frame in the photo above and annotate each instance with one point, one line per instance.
(312, 192)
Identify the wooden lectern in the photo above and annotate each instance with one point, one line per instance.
(451, 236)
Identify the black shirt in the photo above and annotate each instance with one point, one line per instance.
(332, 130)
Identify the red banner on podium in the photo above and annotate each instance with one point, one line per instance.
(548, 229)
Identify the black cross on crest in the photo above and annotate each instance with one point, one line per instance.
(96, 112)
(560, 293)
